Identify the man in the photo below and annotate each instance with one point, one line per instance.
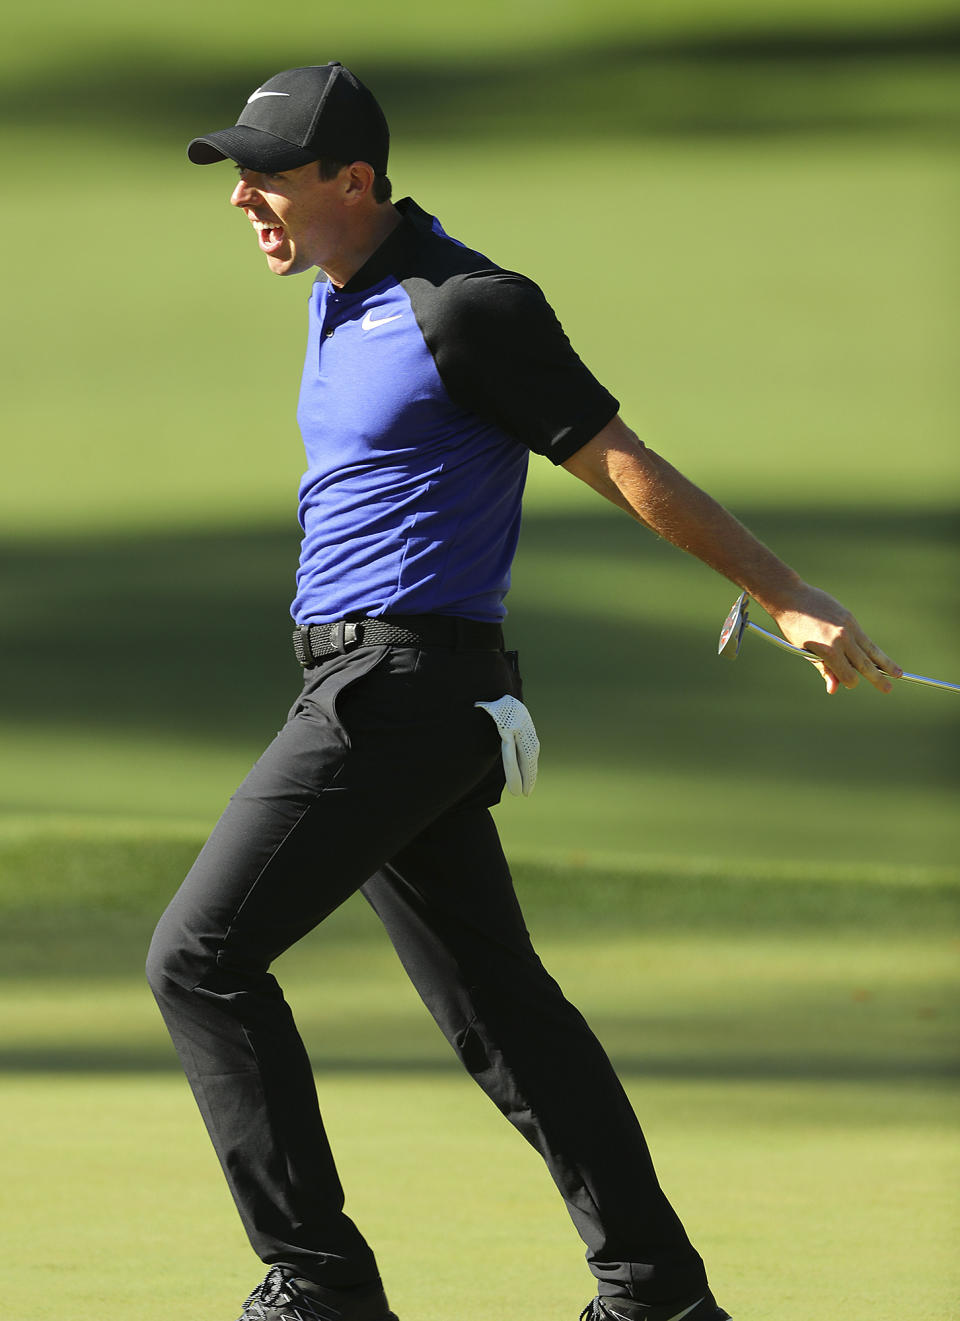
(430, 374)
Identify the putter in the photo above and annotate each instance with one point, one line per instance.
(737, 623)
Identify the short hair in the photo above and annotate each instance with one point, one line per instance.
(382, 187)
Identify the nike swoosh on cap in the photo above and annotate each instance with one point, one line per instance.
(255, 96)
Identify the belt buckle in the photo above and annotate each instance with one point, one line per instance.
(301, 645)
(345, 635)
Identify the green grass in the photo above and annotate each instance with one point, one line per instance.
(194, 33)
(789, 1042)
(776, 317)
(792, 346)
(799, 1199)
(651, 745)
(746, 224)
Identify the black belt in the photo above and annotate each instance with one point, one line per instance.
(311, 642)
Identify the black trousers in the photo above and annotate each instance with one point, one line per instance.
(381, 780)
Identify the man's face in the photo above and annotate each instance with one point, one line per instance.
(298, 216)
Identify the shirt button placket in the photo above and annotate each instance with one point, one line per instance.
(330, 312)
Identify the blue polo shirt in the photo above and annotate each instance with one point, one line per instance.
(429, 377)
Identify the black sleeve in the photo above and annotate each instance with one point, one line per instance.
(502, 353)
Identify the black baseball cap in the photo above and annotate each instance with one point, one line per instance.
(299, 116)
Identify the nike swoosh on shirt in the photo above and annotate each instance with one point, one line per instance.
(369, 322)
(255, 96)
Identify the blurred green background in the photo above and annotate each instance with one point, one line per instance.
(746, 220)
(747, 230)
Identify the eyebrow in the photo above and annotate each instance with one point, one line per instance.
(267, 174)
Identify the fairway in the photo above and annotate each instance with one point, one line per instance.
(789, 1042)
(746, 222)
(797, 421)
(770, 1176)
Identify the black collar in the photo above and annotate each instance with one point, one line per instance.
(394, 248)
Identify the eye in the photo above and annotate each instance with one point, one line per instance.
(244, 170)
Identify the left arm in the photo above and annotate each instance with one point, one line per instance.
(618, 466)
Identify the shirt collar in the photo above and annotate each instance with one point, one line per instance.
(391, 252)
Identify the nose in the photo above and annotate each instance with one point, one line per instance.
(243, 194)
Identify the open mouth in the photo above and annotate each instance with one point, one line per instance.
(270, 235)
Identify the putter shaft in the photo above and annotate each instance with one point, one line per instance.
(808, 655)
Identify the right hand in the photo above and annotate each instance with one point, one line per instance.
(818, 623)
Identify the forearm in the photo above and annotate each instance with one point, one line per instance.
(646, 486)
(639, 481)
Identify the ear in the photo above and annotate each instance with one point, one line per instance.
(357, 181)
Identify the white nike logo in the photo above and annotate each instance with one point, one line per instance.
(686, 1311)
(369, 322)
(677, 1316)
(255, 96)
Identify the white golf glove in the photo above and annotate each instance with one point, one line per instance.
(519, 743)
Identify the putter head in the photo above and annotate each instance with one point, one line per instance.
(731, 635)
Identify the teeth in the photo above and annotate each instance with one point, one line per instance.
(265, 224)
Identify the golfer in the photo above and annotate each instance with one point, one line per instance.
(430, 375)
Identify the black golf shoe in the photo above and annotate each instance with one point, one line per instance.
(284, 1296)
(702, 1308)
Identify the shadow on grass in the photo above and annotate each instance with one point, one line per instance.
(85, 909)
(76, 918)
(186, 635)
(768, 81)
(706, 1066)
